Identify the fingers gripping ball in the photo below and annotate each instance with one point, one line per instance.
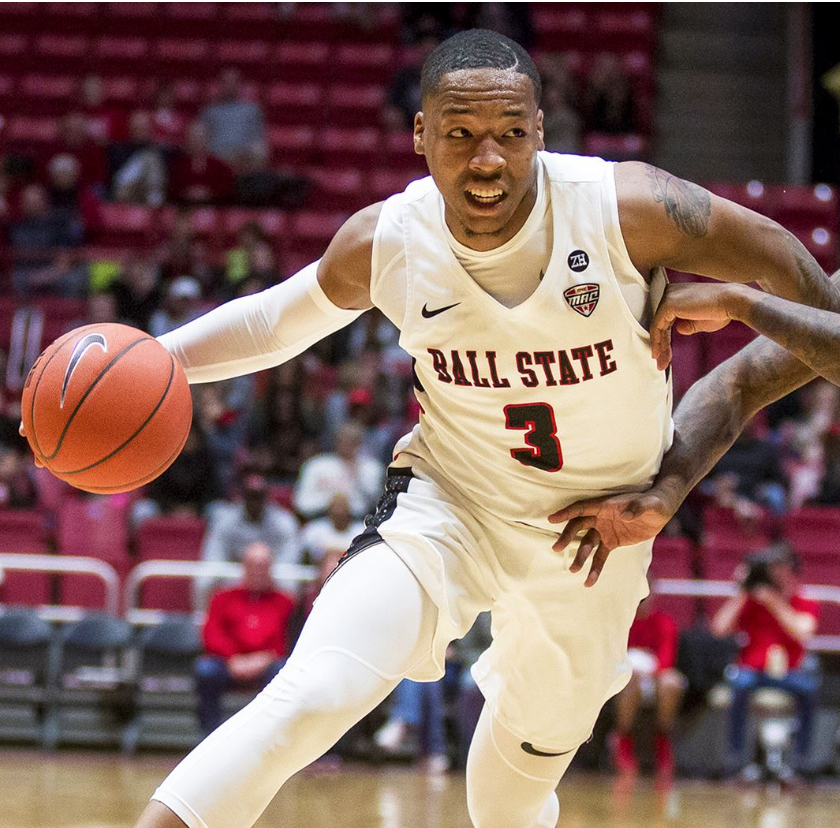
(106, 408)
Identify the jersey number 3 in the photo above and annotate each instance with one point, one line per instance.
(537, 420)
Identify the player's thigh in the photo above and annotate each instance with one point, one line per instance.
(559, 649)
(374, 609)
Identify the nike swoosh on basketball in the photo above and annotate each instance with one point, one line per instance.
(82, 346)
(428, 314)
(529, 748)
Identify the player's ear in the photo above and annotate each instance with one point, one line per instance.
(419, 130)
(540, 130)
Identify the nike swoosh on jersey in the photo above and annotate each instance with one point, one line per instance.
(529, 748)
(428, 314)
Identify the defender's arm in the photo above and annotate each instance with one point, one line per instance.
(810, 334)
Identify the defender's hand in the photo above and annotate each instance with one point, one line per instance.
(693, 308)
(607, 523)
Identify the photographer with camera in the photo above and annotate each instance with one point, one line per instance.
(775, 623)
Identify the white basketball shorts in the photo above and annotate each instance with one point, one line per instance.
(559, 649)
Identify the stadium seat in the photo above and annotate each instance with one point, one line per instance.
(722, 344)
(131, 49)
(363, 63)
(192, 11)
(292, 145)
(299, 61)
(556, 23)
(673, 558)
(721, 527)
(126, 224)
(249, 54)
(294, 103)
(355, 106)
(344, 147)
(753, 194)
(96, 526)
(165, 702)
(13, 45)
(169, 538)
(89, 701)
(337, 189)
(23, 532)
(125, 90)
(25, 641)
(384, 183)
(817, 205)
(52, 46)
(26, 130)
(178, 53)
(53, 87)
(615, 147)
(620, 28)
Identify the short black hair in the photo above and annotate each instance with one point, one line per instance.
(477, 49)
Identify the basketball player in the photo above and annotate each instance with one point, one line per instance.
(522, 283)
(798, 344)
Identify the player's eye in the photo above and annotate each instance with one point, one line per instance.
(459, 132)
(516, 132)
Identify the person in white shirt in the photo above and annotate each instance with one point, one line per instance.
(334, 532)
(345, 471)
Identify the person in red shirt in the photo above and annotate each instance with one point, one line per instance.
(245, 636)
(652, 651)
(776, 623)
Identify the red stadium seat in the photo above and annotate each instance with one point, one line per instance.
(272, 222)
(192, 11)
(136, 11)
(26, 130)
(384, 183)
(291, 103)
(674, 558)
(169, 538)
(253, 12)
(124, 90)
(121, 48)
(61, 46)
(720, 345)
(293, 145)
(7, 86)
(188, 92)
(302, 61)
(615, 147)
(84, 11)
(821, 243)
(97, 527)
(13, 45)
(356, 105)
(344, 146)
(128, 224)
(312, 232)
(338, 189)
(399, 153)
(23, 532)
(57, 87)
(686, 362)
(246, 53)
(558, 24)
(817, 205)
(363, 62)
(721, 527)
(622, 28)
(753, 194)
(182, 51)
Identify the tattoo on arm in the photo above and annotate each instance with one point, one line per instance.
(810, 334)
(687, 205)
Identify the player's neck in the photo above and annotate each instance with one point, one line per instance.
(490, 241)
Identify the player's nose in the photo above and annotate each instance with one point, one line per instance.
(488, 158)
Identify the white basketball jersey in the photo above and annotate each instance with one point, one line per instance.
(527, 409)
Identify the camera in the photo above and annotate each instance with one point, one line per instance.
(758, 572)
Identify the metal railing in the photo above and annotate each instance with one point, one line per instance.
(193, 570)
(66, 564)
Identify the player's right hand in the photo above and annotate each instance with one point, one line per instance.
(608, 523)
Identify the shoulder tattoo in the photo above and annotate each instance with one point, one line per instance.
(687, 205)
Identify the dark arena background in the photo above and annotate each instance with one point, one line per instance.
(158, 159)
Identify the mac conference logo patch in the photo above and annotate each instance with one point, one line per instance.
(582, 298)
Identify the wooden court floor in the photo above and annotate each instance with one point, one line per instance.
(95, 790)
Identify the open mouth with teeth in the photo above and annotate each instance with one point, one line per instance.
(485, 196)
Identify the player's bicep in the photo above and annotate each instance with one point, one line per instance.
(344, 271)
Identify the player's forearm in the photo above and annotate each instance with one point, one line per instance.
(811, 334)
(257, 331)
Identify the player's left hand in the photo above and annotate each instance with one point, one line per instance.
(693, 308)
(607, 523)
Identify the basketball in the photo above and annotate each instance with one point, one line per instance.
(106, 408)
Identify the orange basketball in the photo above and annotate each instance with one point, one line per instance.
(106, 408)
